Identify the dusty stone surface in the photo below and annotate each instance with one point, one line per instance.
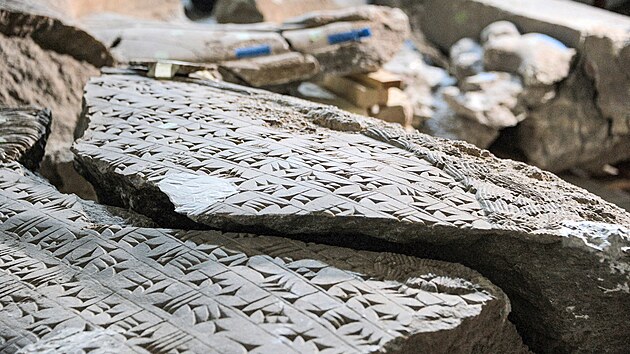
(258, 53)
(48, 25)
(57, 86)
(23, 135)
(250, 11)
(577, 135)
(71, 282)
(601, 39)
(540, 60)
(296, 168)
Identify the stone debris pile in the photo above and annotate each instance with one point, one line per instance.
(572, 60)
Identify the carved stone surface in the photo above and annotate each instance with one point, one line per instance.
(240, 159)
(69, 282)
(23, 134)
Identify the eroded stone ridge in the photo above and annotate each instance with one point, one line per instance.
(236, 158)
(23, 135)
(68, 282)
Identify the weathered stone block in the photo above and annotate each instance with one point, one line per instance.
(23, 135)
(240, 159)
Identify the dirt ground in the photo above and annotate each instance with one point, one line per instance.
(38, 77)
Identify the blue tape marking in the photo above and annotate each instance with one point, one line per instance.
(254, 51)
(353, 35)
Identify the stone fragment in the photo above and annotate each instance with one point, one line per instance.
(349, 41)
(297, 168)
(355, 40)
(600, 37)
(139, 40)
(539, 59)
(497, 30)
(273, 70)
(50, 28)
(23, 135)
(72, 282)
(577, 125)
(249, 11)
(444, 122)
(466, 58)
(355, 92)
(27, 82)
(489, 98)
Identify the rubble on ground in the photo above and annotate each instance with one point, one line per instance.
(27, 82)
(593, 113)
(23, 135)
(76, 276)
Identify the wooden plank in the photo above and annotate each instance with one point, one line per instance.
(380, 79)
(358, 94)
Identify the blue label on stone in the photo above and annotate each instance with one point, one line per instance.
(349, 36)
(253, 51)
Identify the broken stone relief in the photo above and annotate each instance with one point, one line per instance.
(301, 169)
(99, 282)
(255, 55)
(232, 219)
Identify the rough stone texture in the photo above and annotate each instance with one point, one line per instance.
(569, 133)
(240, 159)
(73, 283)
(42, 78)
(23, 134)
(46, 23)
(133, 40)
(273, 70)
(540, 61)
(489, 98)
(249, 11)
(601, 39)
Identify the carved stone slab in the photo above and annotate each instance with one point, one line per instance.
(240, 159)
(69, 283)
(49, 25)
(23, 135)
